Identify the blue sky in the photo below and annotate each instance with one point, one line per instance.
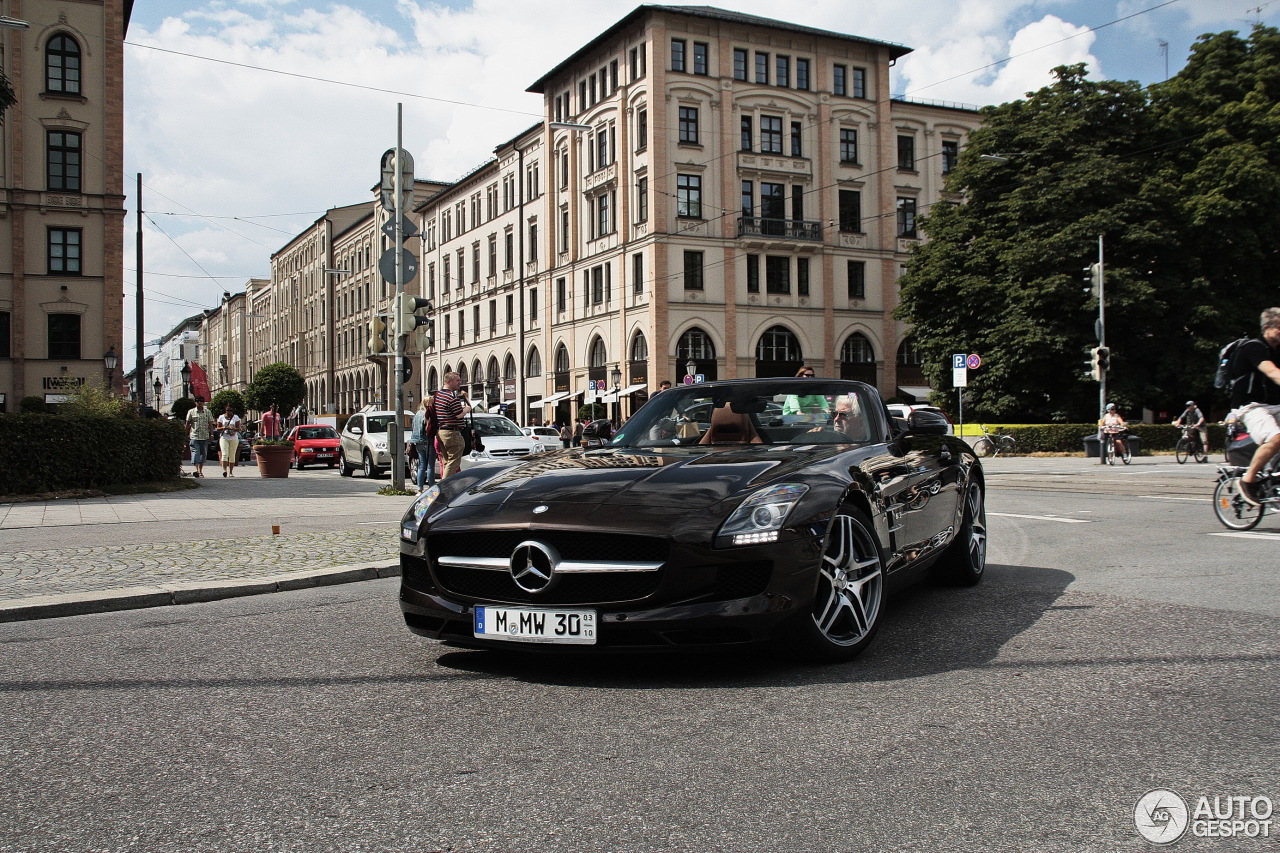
(248, 118)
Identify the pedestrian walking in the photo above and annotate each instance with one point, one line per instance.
(423, 436)
(229, 426)
(450, 407)
(270, 425)
(200, 426)
(566, 436)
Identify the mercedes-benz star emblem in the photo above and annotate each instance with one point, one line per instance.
(533, 566)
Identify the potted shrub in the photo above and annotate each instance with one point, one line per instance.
(274, 456)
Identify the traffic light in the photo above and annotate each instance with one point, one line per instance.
(407, 316)
(1093, 275)
(1104, 359)
(1093, 363)
(377, 336)
(425, 336)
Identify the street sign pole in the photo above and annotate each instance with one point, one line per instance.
(397, 459)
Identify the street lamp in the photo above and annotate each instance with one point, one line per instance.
(616, 378)
(691, 368)
(156, 398)
(490, 391)
(186, 378)
(109, 361)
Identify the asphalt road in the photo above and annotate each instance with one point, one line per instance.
(1121, 642)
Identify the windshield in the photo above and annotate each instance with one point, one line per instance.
(767, 411)
(317, 432)
(497, 426)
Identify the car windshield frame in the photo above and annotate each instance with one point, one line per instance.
(781, 411)
(497, 427)
(307, 433)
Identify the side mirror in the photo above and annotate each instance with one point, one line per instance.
(356, 431)
(925, 422)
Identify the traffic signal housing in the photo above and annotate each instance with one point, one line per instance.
(1103, 355)
(408, 317)
(377, 336)
(1093, 275)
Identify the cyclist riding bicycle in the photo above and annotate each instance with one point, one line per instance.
(1194, 418)
(1114, 425)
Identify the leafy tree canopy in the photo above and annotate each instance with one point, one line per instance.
(278, 383)
(1177, 179)
(218, 404)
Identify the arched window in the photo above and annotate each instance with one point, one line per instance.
(492, 370)
(639, 348)
(778, 353)
(462, 372)
(696, 345)
(858, 359)
(533, 365)
(562, 359)
(62, 66)
(433, 381)
(599, 354)
(908, 355)
(509, 368)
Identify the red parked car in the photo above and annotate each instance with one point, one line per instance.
(314, 444)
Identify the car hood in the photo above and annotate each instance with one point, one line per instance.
(316, 442)
(690, 478)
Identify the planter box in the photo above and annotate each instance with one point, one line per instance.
(274, 460)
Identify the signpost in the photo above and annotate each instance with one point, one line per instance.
(961, 364)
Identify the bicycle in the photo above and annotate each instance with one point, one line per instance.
(1109, 448)
(1232, 509)
(993, 444)
(1190, 445)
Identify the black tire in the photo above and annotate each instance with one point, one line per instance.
(848, 592)
(343, 468)
(1180, 452)
(1109, 448)
(1232, 509)
(1202, 455)
(983, 447)
(297, 463)
(1127, 456)
(370, 470)
(1008, 445)
(965, 560)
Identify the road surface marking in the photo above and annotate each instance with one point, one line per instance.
(1249, 535)
(1172, 498)
(1043, 517)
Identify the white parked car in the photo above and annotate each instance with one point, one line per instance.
(901, 410)
(503, 440)
(549, 436)
(364, 444)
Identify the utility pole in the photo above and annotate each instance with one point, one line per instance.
(1102, 347)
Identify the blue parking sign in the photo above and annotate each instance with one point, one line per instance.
(957, 360)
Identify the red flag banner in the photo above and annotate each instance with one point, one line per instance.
(199, 382)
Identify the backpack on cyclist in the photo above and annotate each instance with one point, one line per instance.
(1229, 373)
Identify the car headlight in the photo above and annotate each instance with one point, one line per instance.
(760, 517)
(412, 521)
(536, 448)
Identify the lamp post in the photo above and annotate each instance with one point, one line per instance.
(616, 378)
(186, 378)
(155, 404)
(109, 361)
(691, 369)
(490, 390)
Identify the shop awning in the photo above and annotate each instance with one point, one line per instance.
(556, 398)
(920, 392)
(495, 409)
(631, 389)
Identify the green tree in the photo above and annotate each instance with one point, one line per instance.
(96, 400)
(278, 383)
(218, 404)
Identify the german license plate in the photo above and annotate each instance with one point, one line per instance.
(324, 455)
(523, 625)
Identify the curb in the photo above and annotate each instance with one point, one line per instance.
(192, 592)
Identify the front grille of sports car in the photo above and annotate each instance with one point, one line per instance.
(578, 588)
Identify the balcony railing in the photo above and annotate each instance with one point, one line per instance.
(783, 229)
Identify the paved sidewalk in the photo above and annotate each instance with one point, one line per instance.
(123, 570)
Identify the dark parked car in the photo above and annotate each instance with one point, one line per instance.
(246, 448)
(739, 525)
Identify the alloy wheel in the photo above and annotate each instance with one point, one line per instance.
(846, 607)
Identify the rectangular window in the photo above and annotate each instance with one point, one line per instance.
(604, 222)
(802, 74)
(848, 145)
(907, 217)
(493, 317)
(857, 274)
(777, 271)
(64, 251)
(642, 200)
(859, 82)
(493, 255)
(533, 305)
(739, 64)
(602, 149)
(634, 56)
(693, 270)
(642, 130)
(907, 153)
(509, 251)
(597, 285)
(745, 141)
(797, 202)
(782, 71)
(6, 348)
(689, 196)
(748, 198)
(564, 230)
(533, 241)
(797, 149)
(510, 307)
(613, 76)
(689, 125)
(637, 273)
(753, 273)
(802, 276)
(63, 161)
(770, 134)
(64, 336)
(839, 80)
(773, 207)
(851, 211)
(762, 68)
(475, 263)
(475, 321)
(950, 151)
(677, 54)
(700, 58)
(561, 295)
(591, 84)
(582, 95)
(444, 277)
